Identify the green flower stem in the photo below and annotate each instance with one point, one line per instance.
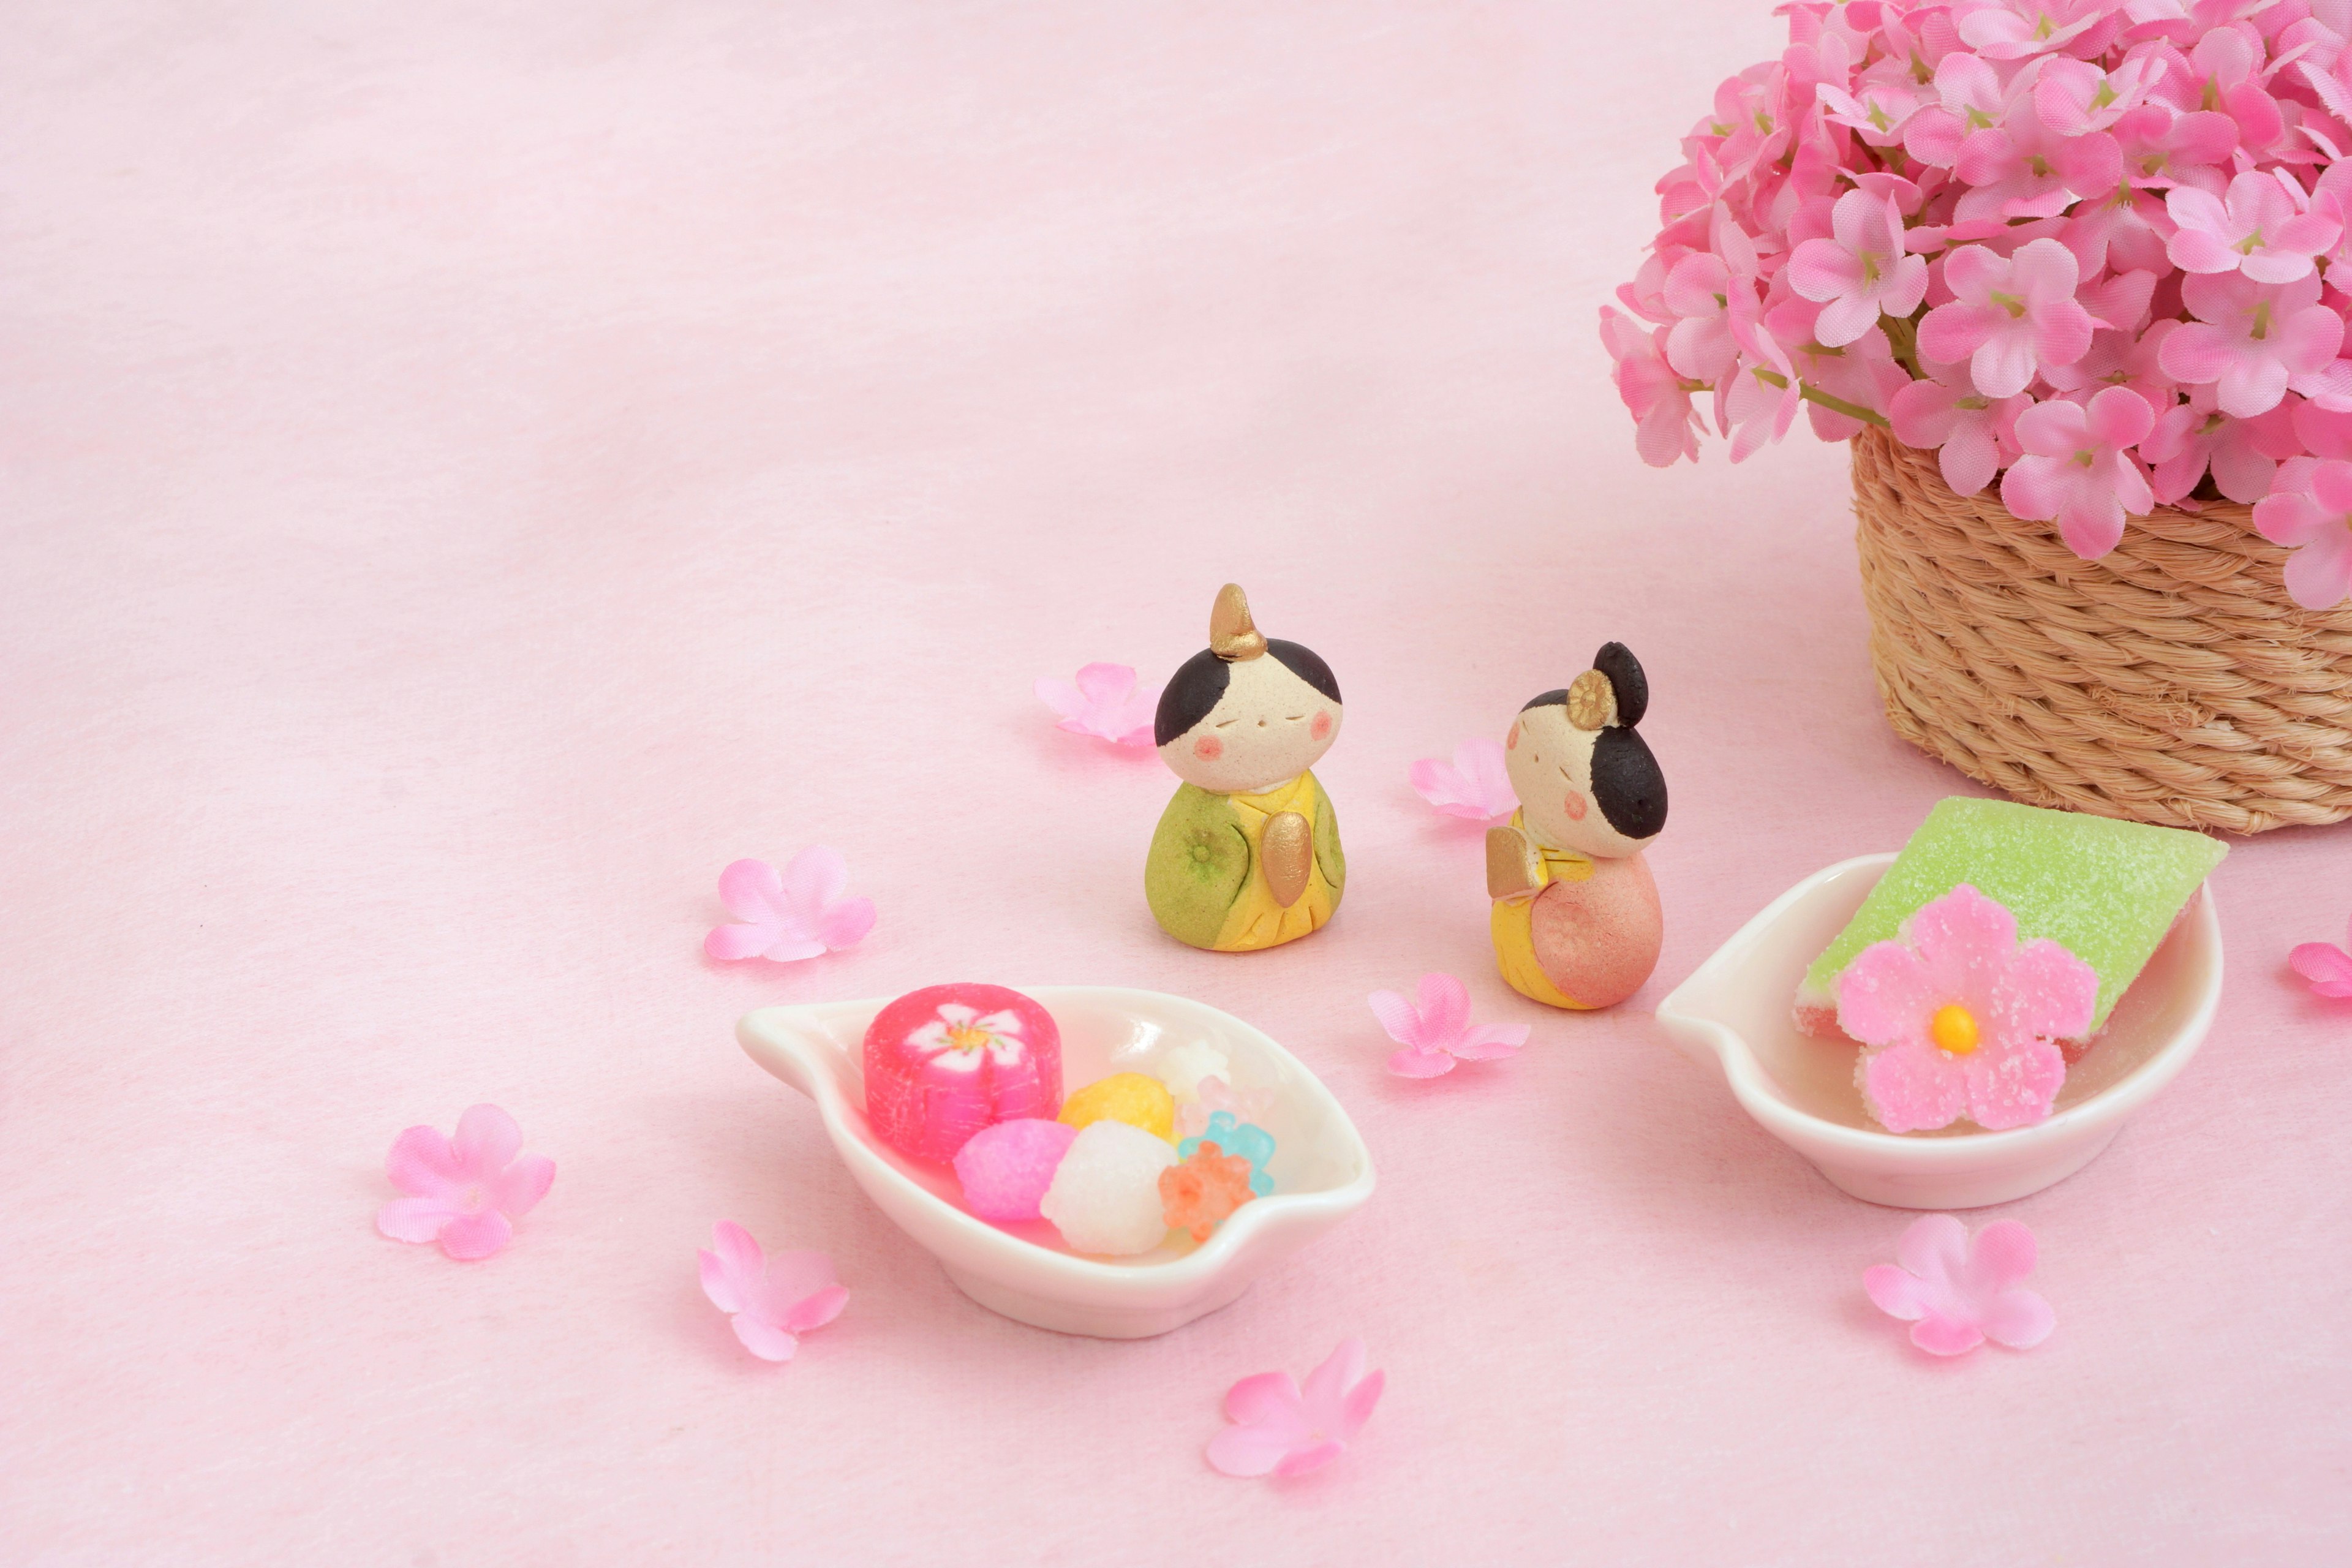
(1835, 405)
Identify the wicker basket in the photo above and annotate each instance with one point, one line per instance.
(2172, 681)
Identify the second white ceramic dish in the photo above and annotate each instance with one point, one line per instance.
(1735, 1011)
(1322, 1171)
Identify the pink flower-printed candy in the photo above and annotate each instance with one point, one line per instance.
(1005, 1169)
(943, 1062)
(1963, 1020)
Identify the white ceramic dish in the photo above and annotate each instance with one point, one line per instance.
(1322, 1171)
(1735, 1011)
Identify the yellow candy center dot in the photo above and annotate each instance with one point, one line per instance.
(1954, 1028)
(964, 1038)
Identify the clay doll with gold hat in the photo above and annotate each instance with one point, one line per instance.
(1247, 854)
(1576, 920)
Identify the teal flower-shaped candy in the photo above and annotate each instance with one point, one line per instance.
(1242, 1139)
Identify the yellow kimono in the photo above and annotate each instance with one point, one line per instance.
(1513, 923)
(1205, 878)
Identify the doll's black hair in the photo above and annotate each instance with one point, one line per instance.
(1201, 679)
(1628, 785)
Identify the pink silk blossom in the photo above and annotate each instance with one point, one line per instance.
(2164, 148)
(2145, 199)
(769, 1302)
(1279, 1429)
(2326, 966)
(2078, 470)
(1105, 702)
(1973, 435)
(2193, 438)
(2009, 317)
(1661, 404)
(2262, 228)
(464, 1192)
(2018, 29)
(2309, 510)
(1862, 273)
(1960, 955)
(1438, 1034)
(2255, 339)
(1475, 784)
(786, 916)
(1957, 1292)
(2073, 96)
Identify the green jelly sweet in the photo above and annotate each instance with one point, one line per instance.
(2107, 891)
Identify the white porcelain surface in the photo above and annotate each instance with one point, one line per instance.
(1735, 1011)
(1322, 1171)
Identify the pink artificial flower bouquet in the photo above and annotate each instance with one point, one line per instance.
(2097, 248)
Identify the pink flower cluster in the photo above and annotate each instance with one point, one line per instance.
(2097, 248)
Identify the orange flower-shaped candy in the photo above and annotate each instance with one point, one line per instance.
(1199, 1194)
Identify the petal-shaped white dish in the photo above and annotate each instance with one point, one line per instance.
(1322, 1171)
(1735, 1010)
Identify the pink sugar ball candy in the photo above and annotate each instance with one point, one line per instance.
(1005, 1169)
(943, 1062)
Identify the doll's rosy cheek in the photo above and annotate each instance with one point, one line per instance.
(1321, 727)
(1208, 747)
(1575, 806)
(1512, 744)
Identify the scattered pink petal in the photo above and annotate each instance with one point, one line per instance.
(1215, 1094)
(464, 1192)
(771, 1301)
(2326, 965)
(1439, 1032)
(1278, 1429)
(796, 913)
(1473, 784)
(1104, 702)
(1954, 1293)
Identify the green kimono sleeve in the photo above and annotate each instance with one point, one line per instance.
(1199, 862)
(1326, 844)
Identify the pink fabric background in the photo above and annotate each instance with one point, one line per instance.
(471, 471)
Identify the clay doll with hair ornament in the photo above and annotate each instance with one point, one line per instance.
(1247, 854)
(1576, 920)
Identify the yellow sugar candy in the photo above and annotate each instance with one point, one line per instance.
(1129, 1097)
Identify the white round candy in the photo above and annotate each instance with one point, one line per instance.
(1106, 1195)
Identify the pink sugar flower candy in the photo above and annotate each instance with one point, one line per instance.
(771, 1301)
(1104, 702)
(1474, 785)
(2327, 966)
(1281, 1429)
(1215, 1094)
(794, 914)
(1963, 1018)
(1954, 1293)
(1438, 1034)
(464, 1192)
